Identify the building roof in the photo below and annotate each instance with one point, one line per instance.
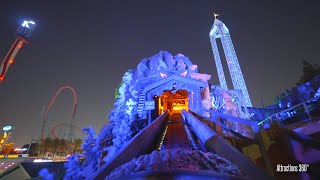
(174, 77)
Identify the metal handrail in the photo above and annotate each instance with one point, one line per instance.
(253, 124)
(225, 128)
(217, 144)
(283, 111)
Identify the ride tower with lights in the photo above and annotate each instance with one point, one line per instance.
(23, 34)
(219, 30)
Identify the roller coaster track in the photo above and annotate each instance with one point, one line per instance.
(51, 103)
(176, 134)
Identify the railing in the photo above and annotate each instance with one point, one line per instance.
(255, 138)
(224, 127)
(255, 128)
(215, 143)
(286, 134)
(282, 116)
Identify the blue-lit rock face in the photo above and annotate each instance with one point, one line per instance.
(170, 162)
(165, 63)
(317, 94)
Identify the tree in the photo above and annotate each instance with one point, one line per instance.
(305, 89)
(77, 145)
(308, 72)
(91, 157)
(45, 174)
(46, 146)
(73, 168)
(56, 146)
(91, 151)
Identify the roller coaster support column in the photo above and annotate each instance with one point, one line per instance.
(264, 153)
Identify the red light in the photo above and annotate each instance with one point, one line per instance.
(1, 78)
(11, 61)
(20, 46)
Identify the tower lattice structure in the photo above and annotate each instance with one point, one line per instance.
(219, 30)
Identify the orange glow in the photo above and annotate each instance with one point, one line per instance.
(20, 46)
(1, 78)
(5, 135)
(2, 141)
(174, 103)
(11, 61)
(179, 108)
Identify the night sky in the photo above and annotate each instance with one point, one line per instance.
(89, 46)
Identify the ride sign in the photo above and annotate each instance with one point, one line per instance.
(149, 105)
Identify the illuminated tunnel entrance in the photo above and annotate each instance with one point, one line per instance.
(173, 93)
(173, 102)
